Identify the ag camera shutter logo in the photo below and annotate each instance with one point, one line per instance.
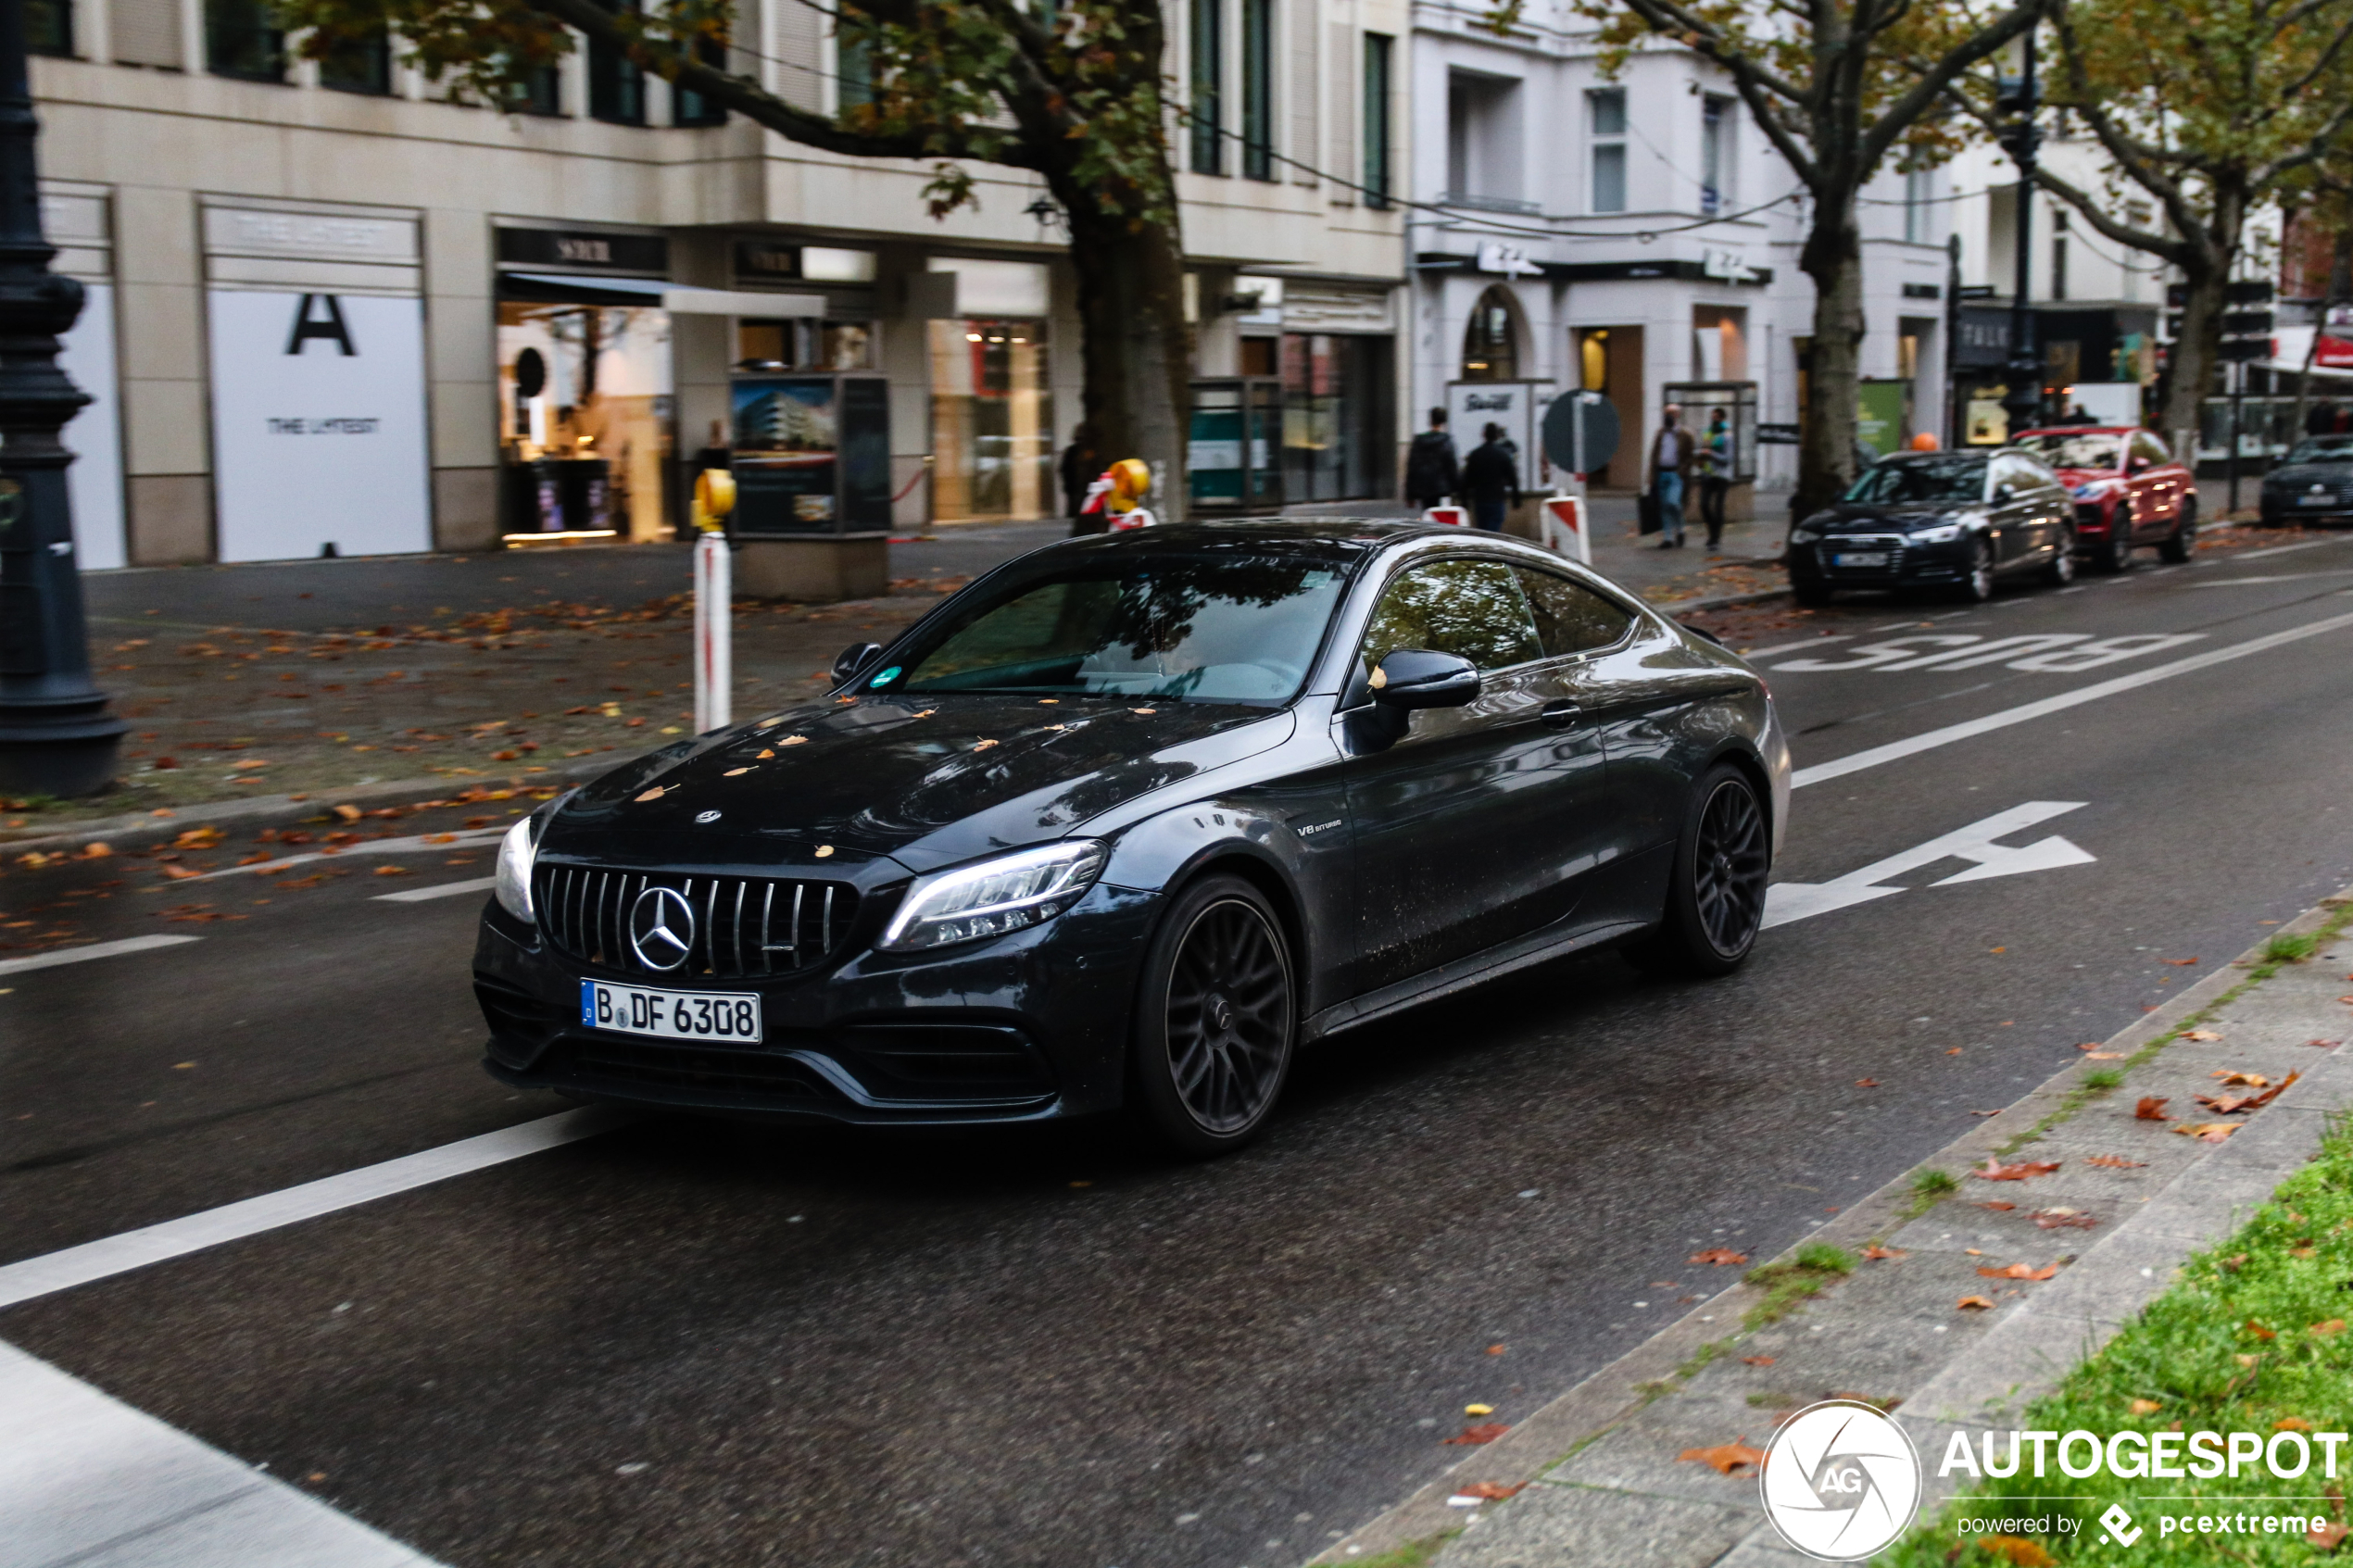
(1841, 1481)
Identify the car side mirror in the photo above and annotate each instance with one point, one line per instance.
(2138, 465)
(2004, 495)
(1419, 678)
(854, 657)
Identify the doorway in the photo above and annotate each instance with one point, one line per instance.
(1609, 360)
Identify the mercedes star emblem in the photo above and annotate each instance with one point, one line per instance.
(662, 928)
(706, 816)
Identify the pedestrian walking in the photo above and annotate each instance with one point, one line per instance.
(1490, 480)
(1714, 461)
(1433, 472)
(1671, 457)
(1081, 465)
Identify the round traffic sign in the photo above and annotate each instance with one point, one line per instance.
(1580, 432)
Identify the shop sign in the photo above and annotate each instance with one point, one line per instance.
(238, 230)
(1725, 267)
(760, 261)
(1511, 261)
(585, 251)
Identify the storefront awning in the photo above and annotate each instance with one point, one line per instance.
(681, 300)
(2289, 344)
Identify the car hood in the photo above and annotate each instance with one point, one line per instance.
(924, 781)
(2300, 476)
(1852, 517)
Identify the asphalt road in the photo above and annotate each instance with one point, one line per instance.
(679, 1343)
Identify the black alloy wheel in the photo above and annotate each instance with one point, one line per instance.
(2175, 548)
(1978, 586)
(2117, 557)
(1216, 1018)
(2061, 571)
(1715, 901)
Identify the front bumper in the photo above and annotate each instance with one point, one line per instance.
(1029, 1027)
(1906, 565)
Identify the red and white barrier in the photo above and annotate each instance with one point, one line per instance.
(1452, 517)
(1566, 530)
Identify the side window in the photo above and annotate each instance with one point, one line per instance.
(1473, 609)
(2149, 447)
(1571, 618)
(2005, 469)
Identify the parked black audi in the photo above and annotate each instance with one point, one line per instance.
(1954, 520)
(2314, 484)
(1129, 819)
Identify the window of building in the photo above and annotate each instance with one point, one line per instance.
(853, 73)
(242, 39)
(1606, 117)
(1717, 122)
(1377, 135)
(2058, 253)
(616, 83)
(1338, 421)
(1207, 117)
(1919, 196)
(358, 65)
(693, 108)
(1483, 141)
(48, 26)
(1258, 89)
(992, 420)
(1491, 343)
(541, 91)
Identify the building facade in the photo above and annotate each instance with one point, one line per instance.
(330, 309)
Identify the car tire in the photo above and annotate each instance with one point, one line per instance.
(1812, 595)
(1977, 587)
(2116, 556)
(1217, 1019)
(2060, 570)
(2177, 546)
(1716, 888)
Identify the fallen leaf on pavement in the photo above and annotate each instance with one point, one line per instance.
(2247, 1080)
(2151, 1109)
(1984, 1113)
(1974, 1304)
(1879, 1254)
(1954, 1051)
(96, 851)
(2055, 1219)
(1723, 1257)
(2145, 1407)
(2207, 1132)
(2223, 1105)
(1866, 1083)
(2021, 1270)
(391, 870)
(177, 873)
(2000, 1205)
(1994, 1171)
(1494, 1349)
(1759, 1360)
(1472, 1436)
(2105, 1056)
(2200, 1034)
(2325, 1045)
(2179, 962)
(2089, 1045)
(1726, 1457)
(1488, 1491)
(2115, 1162)
(1479, 1410)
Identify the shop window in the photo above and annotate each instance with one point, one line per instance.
(1258, 89)
(805, 345)
(1490, 343)
(1605, 119)
(693, 108)
(1378, 134)
(1207, 117)
(584, 397)
(48, 26)
(242, 40)
(358, 65)
(616, 83)
(992, 420)
(1336, 417)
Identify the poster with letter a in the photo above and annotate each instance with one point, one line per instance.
(319, 424)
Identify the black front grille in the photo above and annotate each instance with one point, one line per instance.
(2088, 515)
(745, 927)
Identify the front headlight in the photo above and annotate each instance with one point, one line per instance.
(516, 851)
(1942, 533)
(994, 897)
(1804, 533)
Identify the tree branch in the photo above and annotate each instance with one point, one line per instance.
(1906, 111)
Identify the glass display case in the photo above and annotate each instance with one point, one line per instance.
(811, 455)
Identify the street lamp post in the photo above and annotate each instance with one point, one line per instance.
(2023, 402)
(57, 737)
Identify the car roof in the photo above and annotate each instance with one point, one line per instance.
(2079, 430)
(1328, 538)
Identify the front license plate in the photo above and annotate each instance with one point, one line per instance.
(1860, 558)
(673, 1015)
(2315, 500)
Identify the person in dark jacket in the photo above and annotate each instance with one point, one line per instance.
(1432, 470)
(1082, 465)
(1490, 480)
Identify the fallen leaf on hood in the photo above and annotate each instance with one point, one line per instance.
(1143, 710)
(793, 740)
(1722, 1257)
(2115, 1162)
(1866, 1083)
(2200, 1034)
(2145, 1407)
(1488, 1491)
(983, 745)
(770, 722)
(2001, 1204)
(348, 814)
(1727, 1458)
(177, 873)
(1974, 1304)
(2021, 1270)
(2151, 1109)
(655, 793)
(733, 773)
(2207, 1132)
(823, 850)
(1994, 1171)
(764, 755)
(1759, 1360)
(1055, 726)
(1879, 1254)
(1473, 1436)
(2058, 1218)
(96, 851)
(2177, 963)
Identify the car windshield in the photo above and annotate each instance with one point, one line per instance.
(2073, 450)
(1205, 626)
(1956, 478)
(2323, 449)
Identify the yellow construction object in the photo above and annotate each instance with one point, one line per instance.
(714, 498)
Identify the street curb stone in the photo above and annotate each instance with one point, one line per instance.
(1601, 1454)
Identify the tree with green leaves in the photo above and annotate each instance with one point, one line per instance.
(1070, 90)
(1838, 87)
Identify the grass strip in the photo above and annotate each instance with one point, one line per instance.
(2242, 1342)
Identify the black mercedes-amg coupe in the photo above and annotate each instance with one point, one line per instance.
(1127, 821)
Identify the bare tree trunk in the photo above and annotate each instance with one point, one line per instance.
(1833, 258)
(2197, 351)
(1135, 350)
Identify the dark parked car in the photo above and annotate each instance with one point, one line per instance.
(1129, 819)
(2128, 492)
(2315, 484)
(1958, 520)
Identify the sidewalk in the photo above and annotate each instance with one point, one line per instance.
(1606, 1474)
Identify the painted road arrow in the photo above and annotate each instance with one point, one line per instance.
(1786, 901)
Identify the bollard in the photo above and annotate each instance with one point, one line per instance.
(713, 657)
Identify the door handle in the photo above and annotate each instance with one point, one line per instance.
(1561, 713)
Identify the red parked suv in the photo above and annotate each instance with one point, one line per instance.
(2128, 492)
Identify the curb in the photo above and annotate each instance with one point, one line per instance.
(1607, 1398)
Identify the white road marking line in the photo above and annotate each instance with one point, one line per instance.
(85, 1480)
(446, 890)
(462, 839)
(44, 1275)
(1792, 647)
(2267, 550)
(1786, 901)
(2274, 577)
(1928, 741)
(95, 950)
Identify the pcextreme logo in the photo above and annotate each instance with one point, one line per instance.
(1839, 1481)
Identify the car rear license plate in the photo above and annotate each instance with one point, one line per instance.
(2316, 500)
(672, 1015)
(1860, 558)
